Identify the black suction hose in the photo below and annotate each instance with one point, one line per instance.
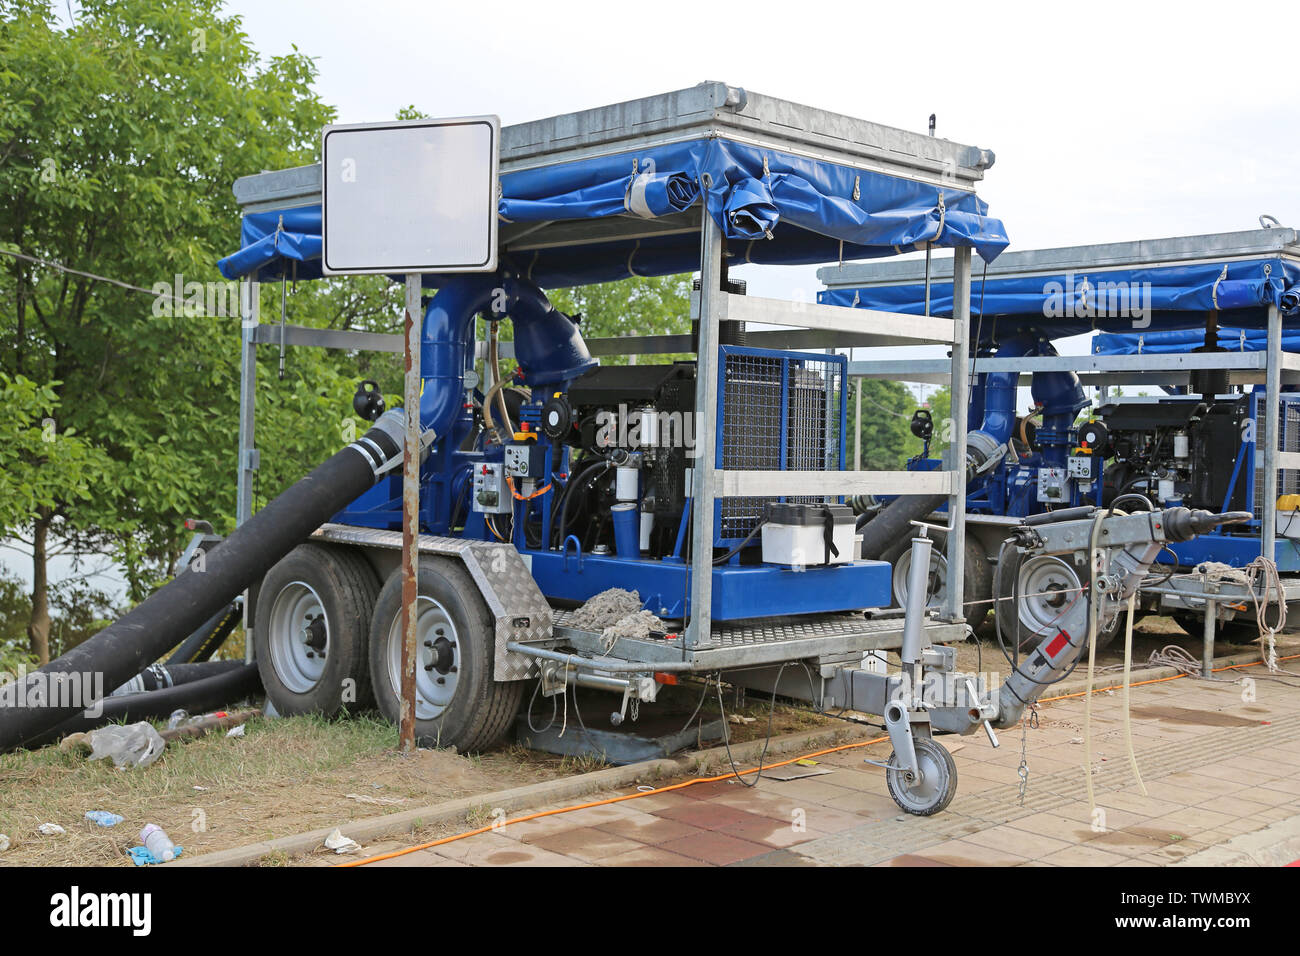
(211, 693)
(894, 522)
(142, 635)
(203, 643)
(161, 676)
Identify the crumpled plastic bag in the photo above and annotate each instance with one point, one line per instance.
(132, 745)
(339, 843)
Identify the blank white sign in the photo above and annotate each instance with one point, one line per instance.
(417, 196)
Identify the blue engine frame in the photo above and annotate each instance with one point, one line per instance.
(1011, 490)
(740, 591)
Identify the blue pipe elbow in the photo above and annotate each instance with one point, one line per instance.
(1000, 392)
(548, 346)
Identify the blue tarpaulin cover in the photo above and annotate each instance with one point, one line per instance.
(1184, 340)
(1131, 301)
(773, 207)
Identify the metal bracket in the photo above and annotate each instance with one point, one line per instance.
(898, 721)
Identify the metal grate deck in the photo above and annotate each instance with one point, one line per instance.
(760, 640)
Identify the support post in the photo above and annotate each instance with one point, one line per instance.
(706, 410)
(410, 514)
(1272, 431)
(249, 312)
(961, 271)
(857, 418)
(1207, 638)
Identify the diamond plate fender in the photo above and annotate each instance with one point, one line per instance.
(516, 602)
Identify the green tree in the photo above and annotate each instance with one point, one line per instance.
(119, 140)
(41, 470)
(887, 441)
(658, 305)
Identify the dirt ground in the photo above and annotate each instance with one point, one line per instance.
(282, 777)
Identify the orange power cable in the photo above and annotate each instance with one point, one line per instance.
(690, 783)
(601, 803)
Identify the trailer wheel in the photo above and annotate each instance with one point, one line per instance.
(457, 702)
(978, 585)
(312, 613)
(933, 789)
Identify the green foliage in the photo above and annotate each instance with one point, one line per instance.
(40, 466)
(887, 409)
(15, 606)
(658, 305)
(119, 140)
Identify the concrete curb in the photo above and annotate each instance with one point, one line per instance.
(369, 829)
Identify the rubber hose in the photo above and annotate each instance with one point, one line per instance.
(201, 696)
(161, 676)
(203, 643)
(894, 522)
(143, 634)
(575, 486)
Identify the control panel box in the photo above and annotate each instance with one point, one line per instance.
(1081, 467)
(1052, 487)
(525, 460)
(490, 494)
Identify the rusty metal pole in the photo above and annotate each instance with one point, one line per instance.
(410, 514)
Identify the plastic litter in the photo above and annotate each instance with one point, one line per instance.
(4, 842)
(104, 818)
(141, 856)
(235, 731)
(177, 718)
(158, 843)
(133, 745)
(337, 842)
(50, 829)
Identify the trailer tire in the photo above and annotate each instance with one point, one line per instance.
(978, 585)
(333, 589)
(458, 703)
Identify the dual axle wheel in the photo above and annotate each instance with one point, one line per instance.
(328, 641)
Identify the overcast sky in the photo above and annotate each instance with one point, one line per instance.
(1110, 121)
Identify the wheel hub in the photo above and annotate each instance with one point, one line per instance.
(298, 637)
(313, 633)
(437, 671)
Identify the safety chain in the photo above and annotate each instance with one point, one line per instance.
(1026, 722)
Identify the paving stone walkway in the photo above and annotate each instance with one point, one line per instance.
(1216, 764)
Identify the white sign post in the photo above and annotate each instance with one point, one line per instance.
(410, 198)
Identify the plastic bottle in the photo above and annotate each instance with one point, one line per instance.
(158, 843)
(104, 818)
(177, 718)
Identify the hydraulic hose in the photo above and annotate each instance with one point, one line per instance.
(64, 687)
